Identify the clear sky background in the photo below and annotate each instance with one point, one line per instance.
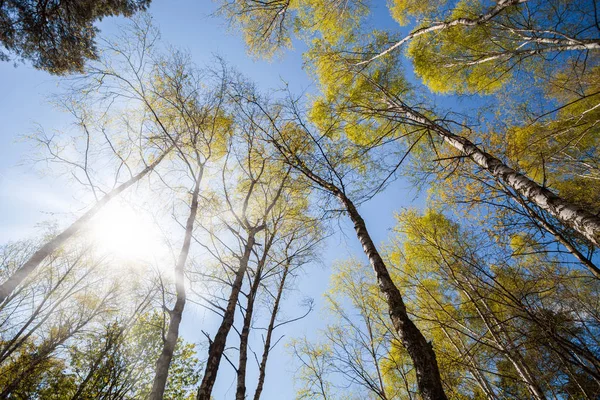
(27, 198)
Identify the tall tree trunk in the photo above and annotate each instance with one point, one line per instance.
(582, 221)
(240, 393)
(420, 351)
(559, 236)
(217, 346)
(267, 347)
(27, 268)
(175, 315)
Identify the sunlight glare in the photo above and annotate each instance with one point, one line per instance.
(121, 231)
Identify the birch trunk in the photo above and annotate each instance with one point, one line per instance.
(217, 346)
(32, 263)
(560, 238)
(582, 221)
(175, 315)
(420, 351)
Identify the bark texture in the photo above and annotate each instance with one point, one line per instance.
(582, 221)
(560, 238)
(175, 315)
(420, 351)
(49, 247)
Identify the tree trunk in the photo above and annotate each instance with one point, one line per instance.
(240, 393)
(23, 272)
(582, 221)
(559, 237)
(502, 340)
(175, 315)
(267, 346)
(420, 351)
(217, 346)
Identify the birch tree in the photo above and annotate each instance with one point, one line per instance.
(336, 53)
(334, 167)
(204, 127)
(107, 83)
(260, 203)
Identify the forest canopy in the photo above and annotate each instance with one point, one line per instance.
(420, 222)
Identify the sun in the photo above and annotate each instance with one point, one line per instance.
(120, 231)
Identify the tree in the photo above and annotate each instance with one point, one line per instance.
(335, 55)
(69, 295)
(476, 294)
(256, 208)
(501, 323)
(332, 166)
(57, 36)
(118, 363)
(206, 128)
(352, 348)
(99, 84)
(290, 241)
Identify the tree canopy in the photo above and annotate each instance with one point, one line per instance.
(208, 200)
(57, 36)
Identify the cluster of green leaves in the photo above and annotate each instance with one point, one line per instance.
(501, 325)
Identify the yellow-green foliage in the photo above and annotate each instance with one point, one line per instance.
(441, 60)
(332, 21)
(266, 30)
(352, 95)
(403, 10)
(563, 151)
(397, 371)
(453, 60)
(295, 139)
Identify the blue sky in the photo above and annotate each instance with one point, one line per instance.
(28, 198)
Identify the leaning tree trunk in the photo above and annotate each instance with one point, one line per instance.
(267, 347)
(558, 236)
(582, 221)
(420, 351)
(175, 315)
(217, 346)
(23, 272)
